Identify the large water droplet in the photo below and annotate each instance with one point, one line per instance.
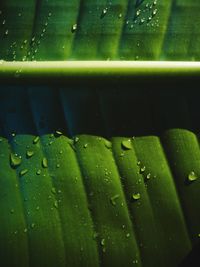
(192, 176)
(108, 144)
(36, 140)
(15, 160)
(44, 163)
(136, 196)
(29, 153)
(126, 144)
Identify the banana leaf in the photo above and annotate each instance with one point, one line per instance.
(99, 133)
(99, 30)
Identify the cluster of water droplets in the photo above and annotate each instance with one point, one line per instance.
(144, 13)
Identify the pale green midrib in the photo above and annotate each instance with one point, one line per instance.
(88, 69)
(176, 190)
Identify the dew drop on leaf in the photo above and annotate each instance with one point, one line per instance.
(15, 160)
(12, 211)
(29, 153)
(23, 172)
(108, 144)
(104, 12)
(128, 235)
(192, 176)
(113, 199)
(126, 144)
(44, 163)
(142, 169)
(36, 140)
(74, 28)
(154, 12)
(136, 196)
(58, 133)
(56, 204)
(103, 242)
(32, 225)
(38, 172)
(148, 176)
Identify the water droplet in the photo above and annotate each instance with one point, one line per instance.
(29, 153)
(120, 16)
(126, 144)
(44, 163)
(192, 176)
(58, 133)
(36, 140)
(138, 12)
(142, 169)
(103, 242)
(23, 172)
(4, 22)
(74, 28)
(56, 204)
(53, 190)
(15, 160)
(128, 235)
(154, 12)
(37, 208)
(25, 230)
(12, 211)
(108, 144)
(142, 20)
(38, 172)
(113, 199)
(85, 145)
(148, 176)
(6, 32)
(135, 196)
(104, 12)
(76, 139)
(58, 165)
(32, 225)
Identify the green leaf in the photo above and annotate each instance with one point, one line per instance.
(93, 29)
